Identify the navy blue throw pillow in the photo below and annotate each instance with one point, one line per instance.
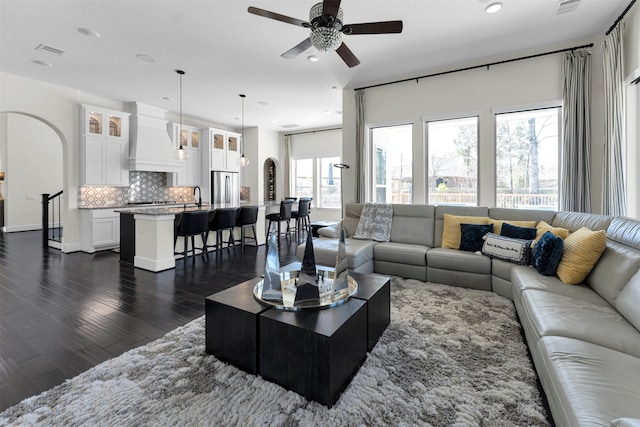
(547, 254)
(516, 232)
(471, 236)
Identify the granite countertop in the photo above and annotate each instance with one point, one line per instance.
(156, 210)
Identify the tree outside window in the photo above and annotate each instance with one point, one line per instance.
(453, 161)
(527, 159)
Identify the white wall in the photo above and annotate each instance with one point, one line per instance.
(481, 91)
(36, 168)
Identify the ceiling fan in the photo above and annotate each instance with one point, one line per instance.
(325, 22)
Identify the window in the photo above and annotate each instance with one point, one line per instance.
(304, 177)
(527, 159)
(452, 147)
(392, 168)
(318, 178)
(329, 183)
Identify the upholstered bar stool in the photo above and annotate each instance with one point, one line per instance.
(221, 220)
(191, 224)
(301, 216)
(247, 217)
(283, 215)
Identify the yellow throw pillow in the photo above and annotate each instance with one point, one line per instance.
(497, 224)
(582, 249)
(543, 227)
(451, 231)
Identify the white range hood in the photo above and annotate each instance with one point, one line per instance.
(150, 148)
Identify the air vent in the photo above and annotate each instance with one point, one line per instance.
(565, 6)
(289, 126)
(49, 49)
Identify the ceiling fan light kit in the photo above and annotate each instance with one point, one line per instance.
(327, 29)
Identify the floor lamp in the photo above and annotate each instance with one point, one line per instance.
(341, 166)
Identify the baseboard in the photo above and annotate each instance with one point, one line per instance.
(24, 227)
(71, 247)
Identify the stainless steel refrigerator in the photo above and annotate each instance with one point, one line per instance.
(225, 188)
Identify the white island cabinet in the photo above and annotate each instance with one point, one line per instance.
(104, 147)
(99, 229)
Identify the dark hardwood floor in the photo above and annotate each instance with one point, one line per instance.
(61, 314)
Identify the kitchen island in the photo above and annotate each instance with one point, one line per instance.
(146, 233)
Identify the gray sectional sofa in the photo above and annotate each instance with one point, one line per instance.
(584, 339)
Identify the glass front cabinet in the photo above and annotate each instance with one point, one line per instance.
(190, 173)
(105, 146)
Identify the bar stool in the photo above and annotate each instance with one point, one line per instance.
(302, 214)
(283, 215)
(220, 220)
(191, 224)
(247, 217)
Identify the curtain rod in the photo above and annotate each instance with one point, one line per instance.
(478, 66)
(311, 131)
(620, 18)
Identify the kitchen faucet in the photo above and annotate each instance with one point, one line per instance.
(199, 195)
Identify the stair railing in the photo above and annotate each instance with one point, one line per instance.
(51, 204)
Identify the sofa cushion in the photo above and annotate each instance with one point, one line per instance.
(351, 218)
(413, 224)
(451, 233)
(625, 231)
(501, 269)
(516, 232)
(543, 227)
(453, 259)
(628, 301)
(547, 254)
(517, 251)
(587, 384)
(471, 236)
(613, 270)
(326, 250)
(549, 314)
(573, 221)
(582, 249)
(526, 278)
(511, 214)
(401, 253)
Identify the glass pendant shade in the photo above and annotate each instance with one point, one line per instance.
(325, 39)
(244, 161)
(181, 154)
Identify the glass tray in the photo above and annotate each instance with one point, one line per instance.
(325, 281)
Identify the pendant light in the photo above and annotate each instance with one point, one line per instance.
(181, 153)
(243, 160)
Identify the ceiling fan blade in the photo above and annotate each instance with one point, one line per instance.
(298, 49)
(383, 27)
(330, 7)
(347, 56)
(278, 17)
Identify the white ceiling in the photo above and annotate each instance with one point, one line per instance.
(226, 51)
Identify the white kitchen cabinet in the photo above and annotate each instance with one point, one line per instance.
(224, 150)
(104, 148)
(99, 229)
(190, 173)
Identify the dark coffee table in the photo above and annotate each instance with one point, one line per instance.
(315, 353)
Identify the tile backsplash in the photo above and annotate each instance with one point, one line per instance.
(143, 187)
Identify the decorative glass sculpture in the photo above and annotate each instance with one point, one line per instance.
(341, 280)
(307, 287)
(272, 285)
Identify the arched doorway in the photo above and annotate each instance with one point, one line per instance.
(32, 155)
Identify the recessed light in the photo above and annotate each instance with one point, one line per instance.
(313, 58)
(144, 58)
(493, 7)
(43, 63)
(274, 121)
(167, 98)
(89, 33)
(263, 103)
(334, 88)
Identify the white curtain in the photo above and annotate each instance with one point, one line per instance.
(360, 147)
(613, 171)
(576, 151)
(289, 190)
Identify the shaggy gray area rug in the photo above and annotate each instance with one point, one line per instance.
(450, 357)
